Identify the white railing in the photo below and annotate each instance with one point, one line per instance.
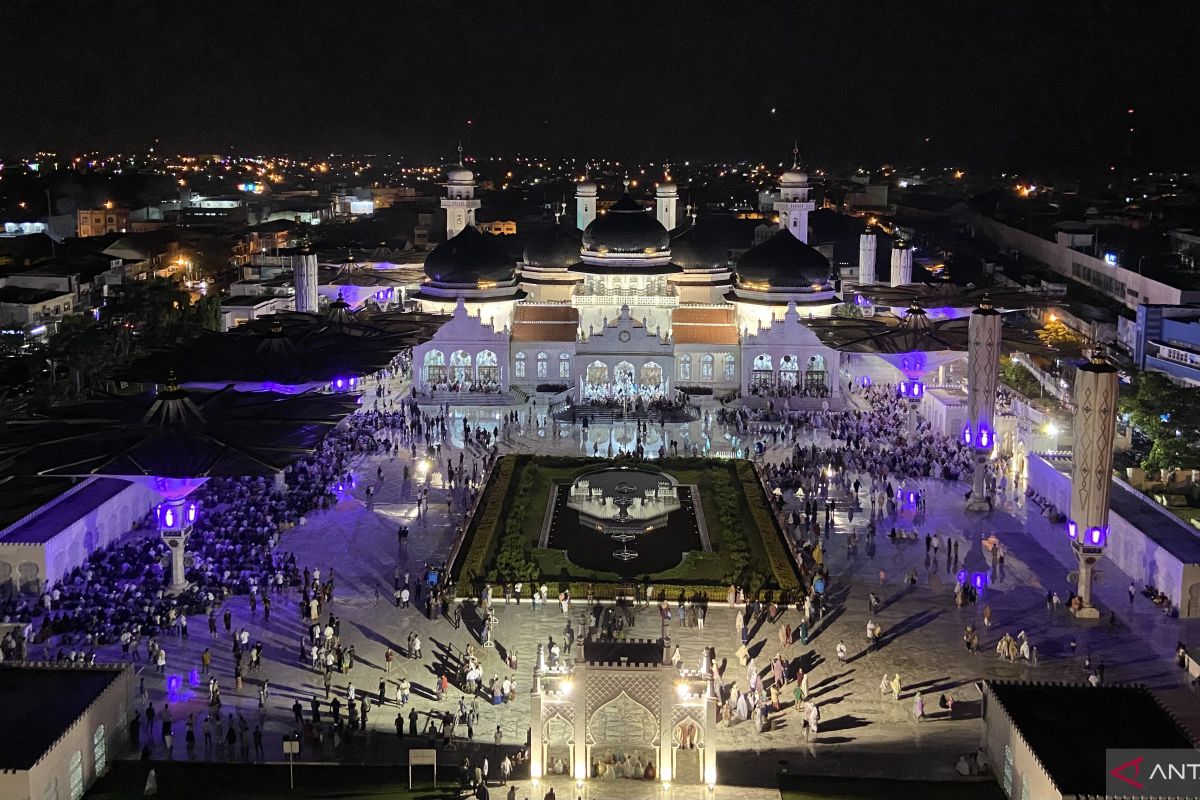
(631, 300)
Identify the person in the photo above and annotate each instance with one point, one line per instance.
(841, 651)
(896, 686)
(919, 707)
(151, 788)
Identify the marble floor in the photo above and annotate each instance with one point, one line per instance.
(863, 732)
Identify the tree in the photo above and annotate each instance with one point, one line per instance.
(83, 348)
(1055, 334)
(1170, 415)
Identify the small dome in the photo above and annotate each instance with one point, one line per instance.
(626, 228)
(469, 258)
(783, 261)
(585, 188)
(460, 175)
(794, 177)
(693, 250)
(556, 248)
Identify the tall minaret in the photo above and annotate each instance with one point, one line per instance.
(1091, 478)
(983, 369)
(794, 203)
(901, 263)
(304, 276)
(460, 202)
(866, 257)
(666, 204)
(585, 202)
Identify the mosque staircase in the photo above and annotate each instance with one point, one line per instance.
(603, 415)
(471, 398)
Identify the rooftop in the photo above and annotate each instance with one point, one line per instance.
(48, 701)
(704, 326)
(1098, 718)
(22, 296)
(21, 496)
(49, 521)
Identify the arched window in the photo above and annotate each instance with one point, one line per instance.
(685, 367)
(650, 375)
(706, 367)
(564, 366)
(730, 367)
(763, 374)
(542, 361)
(519, 365)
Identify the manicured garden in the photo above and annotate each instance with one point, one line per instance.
(747, 546)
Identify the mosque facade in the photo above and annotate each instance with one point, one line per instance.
(629, 302)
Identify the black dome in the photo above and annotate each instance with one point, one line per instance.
(626, 228)
(470, 257)
(556, 248)
(691, 248)
(783, 260)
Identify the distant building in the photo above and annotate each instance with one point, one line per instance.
(101, 221)
(23, 307)
(1168, 341)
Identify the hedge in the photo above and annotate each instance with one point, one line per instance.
(486, 522)
(778, 554)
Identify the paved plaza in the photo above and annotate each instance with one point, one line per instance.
(863, 731)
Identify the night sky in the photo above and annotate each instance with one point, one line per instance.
(1006, 84)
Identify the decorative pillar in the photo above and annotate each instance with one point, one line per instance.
(175, 519)
(901, 263)
(710, 742)
(866, 257)
(304, 276)
(983, 368)
(666, 732)
(1091, 479)
(579, 753)
(537, 756)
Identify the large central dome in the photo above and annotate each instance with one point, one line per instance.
(626, 228)
(783, 261)
(469, 258)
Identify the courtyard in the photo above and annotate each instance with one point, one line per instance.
(864, 732)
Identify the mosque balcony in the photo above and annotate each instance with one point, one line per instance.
(631, 299)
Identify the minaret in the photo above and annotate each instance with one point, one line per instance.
(794, 202)
(585, 204)
(460, 202)
(983, 368)
(866, 257)
(1091, 479)
(901, 263)
(304, 275)
(666, 204)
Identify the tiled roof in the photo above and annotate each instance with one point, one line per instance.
(546, 314)
(544, 331)
(704, 326)
(545, 324)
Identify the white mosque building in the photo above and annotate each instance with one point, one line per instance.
(629, 302)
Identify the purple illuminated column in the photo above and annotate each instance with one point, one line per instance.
(175, 520)
(983, 368)
(1091, 477)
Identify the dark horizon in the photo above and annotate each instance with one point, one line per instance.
(1005, 86)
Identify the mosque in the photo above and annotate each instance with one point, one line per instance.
(631, 303)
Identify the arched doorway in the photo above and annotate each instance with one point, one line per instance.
(435, 367)
(460, 367)
(789, 371)
(762, 374)
(816, 378)
(487, 367)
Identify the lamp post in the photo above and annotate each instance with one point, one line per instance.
(912, 391)
(983, 367)
(1091, 479)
